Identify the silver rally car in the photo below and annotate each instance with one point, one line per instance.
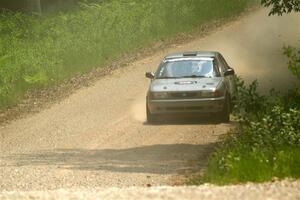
(191, 83)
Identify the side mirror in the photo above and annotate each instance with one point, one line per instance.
(229, 72)
(150, 75)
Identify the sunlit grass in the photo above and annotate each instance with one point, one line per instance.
(241, 165)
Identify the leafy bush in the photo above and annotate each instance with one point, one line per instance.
(265, 144)
(249, 103)
(36, 51)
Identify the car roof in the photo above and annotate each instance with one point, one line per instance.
(192, 54)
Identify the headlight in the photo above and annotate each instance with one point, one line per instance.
(219, 93)
(159, 95)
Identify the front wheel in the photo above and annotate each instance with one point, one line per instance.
(151, 118)
(225, 114)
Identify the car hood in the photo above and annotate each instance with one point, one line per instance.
(185, 84)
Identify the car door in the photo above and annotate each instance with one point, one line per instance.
(229, 79)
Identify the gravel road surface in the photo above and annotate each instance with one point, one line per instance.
(285, 190)
(98, 136)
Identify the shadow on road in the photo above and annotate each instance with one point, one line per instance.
(156, 159)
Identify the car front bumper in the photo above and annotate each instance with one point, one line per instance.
(201, 106)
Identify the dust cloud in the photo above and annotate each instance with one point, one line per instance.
(138, 109)
(253, 46)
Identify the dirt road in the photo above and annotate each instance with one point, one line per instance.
(98, 137)
(284, 190)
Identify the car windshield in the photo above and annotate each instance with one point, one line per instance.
(186, 68)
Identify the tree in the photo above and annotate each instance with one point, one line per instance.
(280, 7)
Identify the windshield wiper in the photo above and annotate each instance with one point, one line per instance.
(167, 77)
(193, 76)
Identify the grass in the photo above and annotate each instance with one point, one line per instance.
(39, 51)
(241, 165)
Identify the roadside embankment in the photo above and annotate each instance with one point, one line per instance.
(38, 51)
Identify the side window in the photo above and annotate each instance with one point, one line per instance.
(221, 65)
(217, 67)
(224, 62)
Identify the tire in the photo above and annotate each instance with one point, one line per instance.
(225, 114)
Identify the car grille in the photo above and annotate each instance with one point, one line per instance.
(185, 108)
(184, 95)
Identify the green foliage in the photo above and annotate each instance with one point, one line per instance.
(282, 6)
(265, 144)
(37, 51)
